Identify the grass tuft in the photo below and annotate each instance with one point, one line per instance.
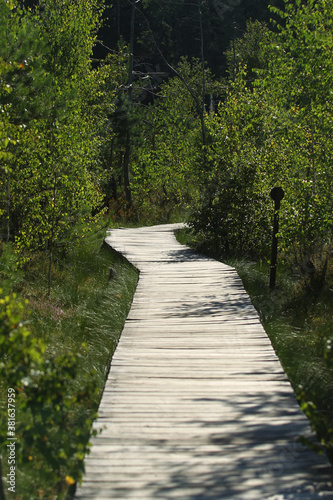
(82, 318)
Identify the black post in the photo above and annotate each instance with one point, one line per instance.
(277, 194)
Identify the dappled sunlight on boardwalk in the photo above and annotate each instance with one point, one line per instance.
(196, 405)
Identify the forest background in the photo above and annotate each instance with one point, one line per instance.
(141, 112)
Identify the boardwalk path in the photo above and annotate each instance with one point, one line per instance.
(196, 405)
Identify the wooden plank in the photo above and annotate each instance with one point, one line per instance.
(196, 404)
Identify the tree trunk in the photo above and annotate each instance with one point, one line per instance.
(127, 186)
(49, 274)
(127, 155)
(52, 238)
(8, 208)
(202, 111)
(130, 70)
(202, 60)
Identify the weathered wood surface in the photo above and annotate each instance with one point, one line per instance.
(196, 405)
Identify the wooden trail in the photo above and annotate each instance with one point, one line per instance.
(196, 405)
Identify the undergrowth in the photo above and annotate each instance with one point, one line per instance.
(59, 347)
(298, 320)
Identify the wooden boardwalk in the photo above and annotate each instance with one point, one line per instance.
(196, 405)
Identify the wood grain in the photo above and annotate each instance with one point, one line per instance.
(196, 405)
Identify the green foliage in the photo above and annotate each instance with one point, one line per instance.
(21, 352)
(71, 29)
(298, 89)
(320, 423)
(277, 133)
(66, 131)
(52, 188)
(248, 51)
(51, 149)
(163, 168)
(56, 353)
(233, 214)
(171, 156)
(23, 49)
(44, 400)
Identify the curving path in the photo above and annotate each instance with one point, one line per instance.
(196, 405)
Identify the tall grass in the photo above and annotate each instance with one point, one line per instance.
(79, 322)
(89, 302)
